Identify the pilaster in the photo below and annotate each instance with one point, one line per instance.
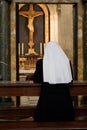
(85, 38)
(4, 40)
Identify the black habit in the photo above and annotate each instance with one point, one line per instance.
(55, 102)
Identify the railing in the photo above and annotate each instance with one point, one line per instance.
(30, 89)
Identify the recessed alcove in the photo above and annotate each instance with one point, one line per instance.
(64, 27)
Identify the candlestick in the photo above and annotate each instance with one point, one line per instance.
(44, 46)
(41, 49)
(19, 49)
(22, 48)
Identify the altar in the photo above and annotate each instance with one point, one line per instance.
(24, 73)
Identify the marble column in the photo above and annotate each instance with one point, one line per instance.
(4, 39)
(85, 39)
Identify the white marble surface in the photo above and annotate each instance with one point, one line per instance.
(26, 71)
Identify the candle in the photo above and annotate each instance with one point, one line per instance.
(19, 49)
(44, 46)
(41, 49)
(22, 48)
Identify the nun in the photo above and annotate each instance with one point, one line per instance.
(55, 75)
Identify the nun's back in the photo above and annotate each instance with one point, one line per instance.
(55, 75)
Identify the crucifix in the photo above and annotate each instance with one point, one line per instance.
(30, 15)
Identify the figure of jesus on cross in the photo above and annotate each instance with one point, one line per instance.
(30, 15)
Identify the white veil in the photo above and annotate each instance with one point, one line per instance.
(56, 65)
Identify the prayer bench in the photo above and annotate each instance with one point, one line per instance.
(20, 118)
(26, 125)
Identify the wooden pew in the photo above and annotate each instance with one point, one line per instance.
(14, 116)
(27, 89)
(43, 125)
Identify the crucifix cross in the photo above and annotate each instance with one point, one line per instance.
(30, 15)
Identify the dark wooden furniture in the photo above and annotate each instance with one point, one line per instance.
(15, 118)
(21, 125)
(30, 89)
